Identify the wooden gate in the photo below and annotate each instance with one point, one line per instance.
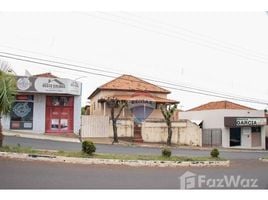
(94, 126)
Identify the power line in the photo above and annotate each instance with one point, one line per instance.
(110, 76)
(196, 34)
(180, 38)
(117, 73)
(194, 37)
(148, 79)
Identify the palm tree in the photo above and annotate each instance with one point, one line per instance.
(7, 96)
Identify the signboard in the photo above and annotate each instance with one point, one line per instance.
(48, 85)
(250, 121)
(244, 121)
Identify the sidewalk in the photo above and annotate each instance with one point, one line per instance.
(41, 136)
(108, 141)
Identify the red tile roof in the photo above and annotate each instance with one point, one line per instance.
(130, 83)
(48, 75)
(221, 105)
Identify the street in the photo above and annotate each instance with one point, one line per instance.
(18, 174)
(45, 175)
(102, 148)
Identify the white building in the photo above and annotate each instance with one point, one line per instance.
(45, 104)
(229, 124)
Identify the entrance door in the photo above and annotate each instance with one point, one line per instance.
(235, 137)
(256, 136)
(137, 133)
(59, 114)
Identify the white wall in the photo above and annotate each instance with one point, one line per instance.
(6, 122)
(39, 118)
(183, 133)
(77, 114)
(215, 119)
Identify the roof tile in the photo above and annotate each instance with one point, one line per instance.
(220, 105)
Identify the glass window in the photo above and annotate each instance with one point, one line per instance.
(21, 115)
(255, 129)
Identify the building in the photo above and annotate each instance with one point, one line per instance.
(45, 104)
(228, 124)
(129, 88)
(141, 119)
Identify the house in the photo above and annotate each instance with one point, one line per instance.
(129, 88)
(229, 124)
(141, 119)
(45, 104)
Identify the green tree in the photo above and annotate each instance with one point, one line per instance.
(167, 112)
(114, 104)
(7, 97)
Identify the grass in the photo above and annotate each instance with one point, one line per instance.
(80, 154)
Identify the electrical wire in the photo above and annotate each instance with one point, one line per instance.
(110, 76)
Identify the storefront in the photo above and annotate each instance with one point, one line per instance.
(46, 105)
(246, 131)
(230, 125)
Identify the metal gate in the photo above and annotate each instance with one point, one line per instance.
(212, 137)
(94, 126)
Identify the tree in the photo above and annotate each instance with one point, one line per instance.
(167, 112)
(7, 96)
(113, 104)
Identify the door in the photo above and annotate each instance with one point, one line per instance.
(256, 136)
(137, 133)
(59, 116)
(235, 137)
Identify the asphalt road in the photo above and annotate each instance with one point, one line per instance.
(16, 174)
(69, 146)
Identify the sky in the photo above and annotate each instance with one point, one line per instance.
(220, 51)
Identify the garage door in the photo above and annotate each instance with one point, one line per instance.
(212, 137)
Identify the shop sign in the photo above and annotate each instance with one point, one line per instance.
(244, 121)
(250, 121)
(48, 85)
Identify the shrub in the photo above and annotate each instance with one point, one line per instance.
(215, 153)
(88, 147)
(166, 152)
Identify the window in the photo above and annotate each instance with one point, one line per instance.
(255, 129)
(21, 115)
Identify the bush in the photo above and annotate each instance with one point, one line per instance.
(88, 147)
(166, 152)
(215, 153)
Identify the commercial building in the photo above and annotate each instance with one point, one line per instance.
(46, 104)
(228, 124)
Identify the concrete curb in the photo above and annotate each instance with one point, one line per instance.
(264, 159)
(132, 163)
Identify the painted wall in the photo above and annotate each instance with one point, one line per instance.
(125, 128)
(184, 133)
(215, 119)
(39, 113)
(77, 114)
